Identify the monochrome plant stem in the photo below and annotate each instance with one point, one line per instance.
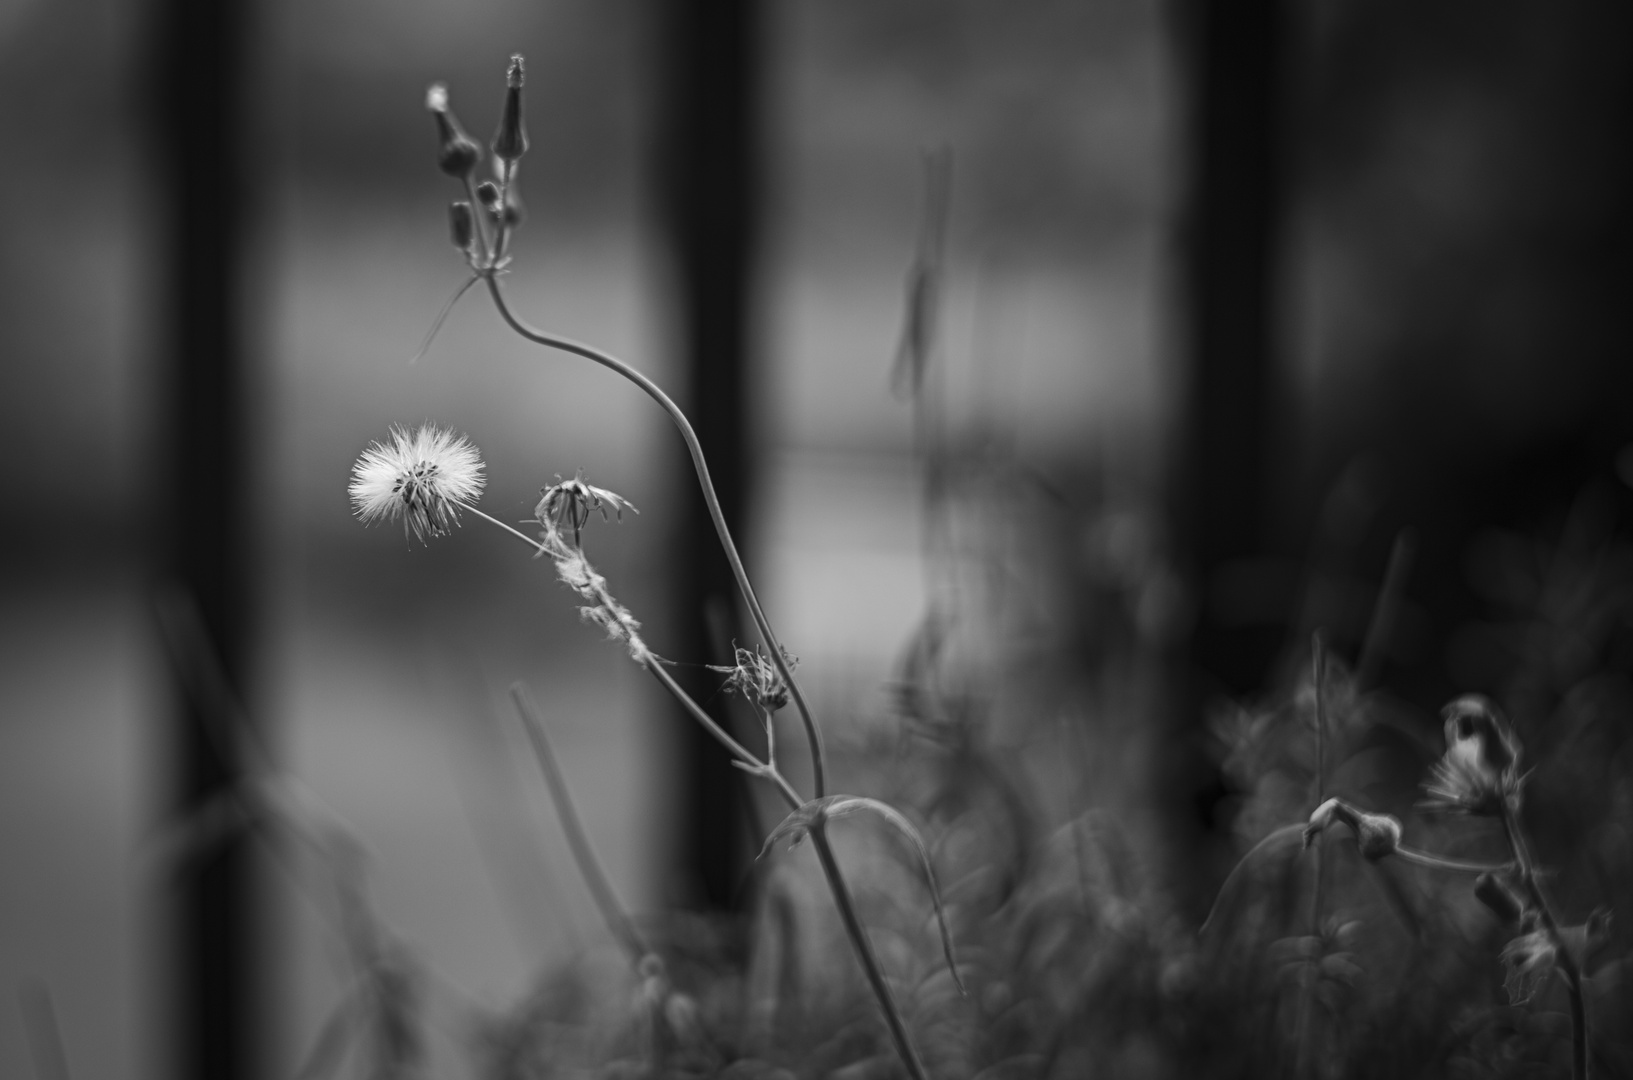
(1562, 953)
(767, 771)
(864, 949)
(710, 498)
(1306, 1028)
(595, 878)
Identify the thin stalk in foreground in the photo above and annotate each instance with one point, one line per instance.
(746, 760)
(812, 734)
(1307, 1007)
(617, 919)
(1567, 962)
(864, 949)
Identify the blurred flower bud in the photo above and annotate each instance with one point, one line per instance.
(487, 192)
(461, 225)
(514, 213)
(1480, 770)
(510, 142)
(459, 154)
(1499, 898)
(1376, 835)
(1529, 959)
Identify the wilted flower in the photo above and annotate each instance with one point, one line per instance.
(1376, 835)
(757, 678)
(424, 478)
(1480, 769)
(1529, 958)
(569, 504)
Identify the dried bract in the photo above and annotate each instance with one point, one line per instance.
(568, 504)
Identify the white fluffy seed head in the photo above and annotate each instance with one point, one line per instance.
(423, 477)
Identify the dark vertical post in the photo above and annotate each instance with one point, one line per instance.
(199, 95)
(710, 151)
(1236, 184)
(1233, 51)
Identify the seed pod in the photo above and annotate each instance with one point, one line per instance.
(461, 225)
(488, 193)
(510, 141)
(1496, 896)
(459, 154)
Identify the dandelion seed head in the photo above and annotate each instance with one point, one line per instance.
(423, 477)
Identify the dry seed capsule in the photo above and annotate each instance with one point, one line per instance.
(459, 154)
(510, 141)
(461, 225)
(1496, 896)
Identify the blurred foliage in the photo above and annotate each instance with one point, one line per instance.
(1312, 962)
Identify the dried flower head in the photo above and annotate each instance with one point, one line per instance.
(423, 477)
(757, 678)
(569, 504)
(1481, 767)
(1529, 958)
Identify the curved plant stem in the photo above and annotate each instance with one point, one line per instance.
(1565, 959)
(864, 949)
(1307, 1009)
(753, 765)
(716, 515)
(1442, 862)
(617, 919)
(746, 760)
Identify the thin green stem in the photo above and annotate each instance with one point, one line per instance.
(1442, 862)
(836, 881)
(617, 919)
(511, 529)
(864, 949)
(710, 498)
(655, 666)
(1564, 958)
(1307, 1011)
(754, 765)
(485, 263)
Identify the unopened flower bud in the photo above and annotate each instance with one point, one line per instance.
(1376, 835)
(1495, 895)
(488, 192)
(459, 154)
(510, 142)
(461, 225)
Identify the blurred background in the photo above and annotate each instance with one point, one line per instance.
(1232, 302)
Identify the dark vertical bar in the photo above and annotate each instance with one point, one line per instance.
(1232, 49)
(711, 193)
(1236, 186)
(199, 94)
